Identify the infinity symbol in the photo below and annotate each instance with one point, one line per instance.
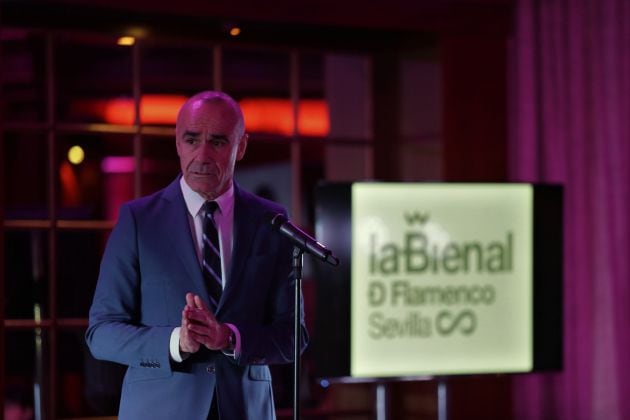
(446, 322)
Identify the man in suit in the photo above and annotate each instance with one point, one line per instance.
(192, 353)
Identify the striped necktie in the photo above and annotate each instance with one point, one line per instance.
(211, 266)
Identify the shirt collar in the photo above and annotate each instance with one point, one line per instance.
(194, 201)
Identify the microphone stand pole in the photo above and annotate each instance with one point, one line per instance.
(297, 332)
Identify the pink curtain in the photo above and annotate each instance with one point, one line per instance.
(570, 124)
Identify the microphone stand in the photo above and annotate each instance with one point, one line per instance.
(297, 269)
(302, 242)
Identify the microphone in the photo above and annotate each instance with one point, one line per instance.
(302, 239)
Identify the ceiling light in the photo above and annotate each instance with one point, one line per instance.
(126, 41)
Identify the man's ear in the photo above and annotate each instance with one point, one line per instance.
(242, 146)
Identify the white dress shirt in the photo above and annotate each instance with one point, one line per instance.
(224, 221)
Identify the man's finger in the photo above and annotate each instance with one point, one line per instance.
(198, 315)
(200, 304)
(198, 320)
(190, 300)
(186, 342)
(198, 329)
(199, 338)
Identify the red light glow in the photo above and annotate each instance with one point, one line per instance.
(154, 109)
(70, 191)
(263, 115)
(276, 116)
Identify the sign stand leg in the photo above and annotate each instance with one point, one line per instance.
(442, 398)
(382, 395)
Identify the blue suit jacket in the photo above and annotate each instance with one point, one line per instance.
(148, 266)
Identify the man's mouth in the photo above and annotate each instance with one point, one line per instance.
(201, 173)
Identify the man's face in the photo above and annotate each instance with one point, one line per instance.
(209, 140)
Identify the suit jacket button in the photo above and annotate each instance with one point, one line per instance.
(210, 369)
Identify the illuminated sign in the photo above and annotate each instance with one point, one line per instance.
(437, 269)
(443, 278)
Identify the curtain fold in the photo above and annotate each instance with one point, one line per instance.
(570, 124)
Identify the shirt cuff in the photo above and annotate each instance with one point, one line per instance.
(176, 355)
(237, 348)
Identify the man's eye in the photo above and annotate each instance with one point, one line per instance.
(191, 141)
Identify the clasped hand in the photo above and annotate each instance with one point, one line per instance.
(200, 327)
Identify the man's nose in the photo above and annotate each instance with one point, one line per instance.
(206, 151)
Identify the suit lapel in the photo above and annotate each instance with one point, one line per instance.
(178, 233)
(245, 225)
